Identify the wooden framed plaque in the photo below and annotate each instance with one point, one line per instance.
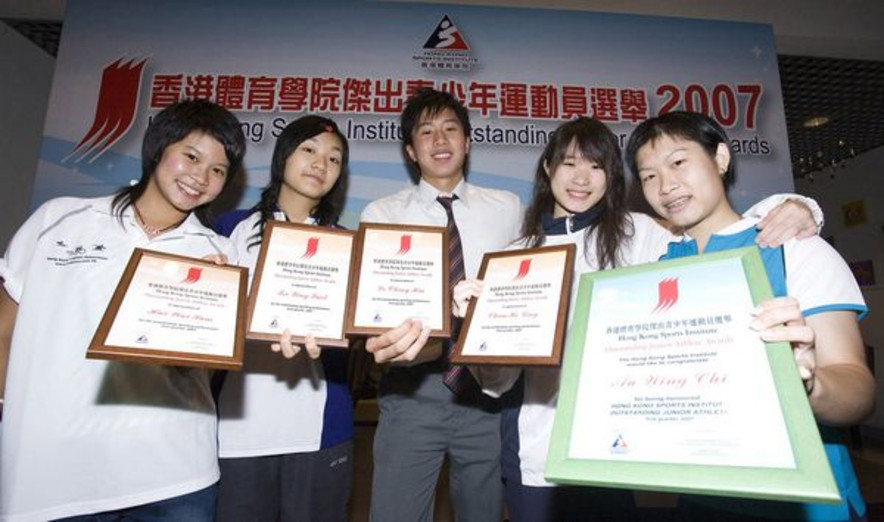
(665, 387)
(174, 310)
(400, 272)
(520, 317)
(301, 284)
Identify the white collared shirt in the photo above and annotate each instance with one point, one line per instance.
(81, 435)
(487, 219)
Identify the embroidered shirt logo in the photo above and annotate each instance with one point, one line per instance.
(64, 253)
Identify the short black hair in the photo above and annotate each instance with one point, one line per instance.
(173, 124)
(431, 102)
(690, 126)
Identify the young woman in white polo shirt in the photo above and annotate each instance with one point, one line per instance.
(286, 427)
(100, 440)
(579, 197)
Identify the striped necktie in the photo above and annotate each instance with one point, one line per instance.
(457, 378)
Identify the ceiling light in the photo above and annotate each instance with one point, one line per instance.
(817, 121)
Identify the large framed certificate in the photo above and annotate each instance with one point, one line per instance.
(400, 272)
(665, 387)
(174, 310)
(520, 317)
(300, 283)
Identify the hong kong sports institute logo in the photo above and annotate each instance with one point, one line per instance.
(446, 48)
(667, 294)
(114, 111)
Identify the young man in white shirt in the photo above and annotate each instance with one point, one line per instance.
(421, 419)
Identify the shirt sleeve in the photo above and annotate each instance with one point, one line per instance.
(820, 279)
(766, 205)
(371, 214)
(20, 251)
(650, 240)
(233, 255)
(244, 239)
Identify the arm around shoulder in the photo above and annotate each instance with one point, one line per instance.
(785, 216)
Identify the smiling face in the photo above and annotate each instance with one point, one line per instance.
(440, 146)
(684, 184)
(311, 171)
(577, 183)
(190, 173)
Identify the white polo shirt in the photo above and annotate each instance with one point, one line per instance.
(541, 386)
(274, 406)
(83, 436)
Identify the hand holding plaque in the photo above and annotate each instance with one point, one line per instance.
(520, 316)
(400, 273)
(174, 310)
(300, 284)
(665, 387)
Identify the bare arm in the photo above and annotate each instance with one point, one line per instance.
(830, 350)
(790, 219)
(844, 389)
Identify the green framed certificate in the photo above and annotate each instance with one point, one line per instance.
(665, 387)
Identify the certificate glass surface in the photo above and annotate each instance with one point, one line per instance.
(665, 387)
(174, 310)
(300, 283)
(400, 272)
(520, 317)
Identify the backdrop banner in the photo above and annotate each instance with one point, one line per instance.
(519, 71)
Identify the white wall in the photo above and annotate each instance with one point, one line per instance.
(25, 79)
(861, 179)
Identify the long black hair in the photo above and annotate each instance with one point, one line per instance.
(173, 124)
(595, 142)
(330, 206)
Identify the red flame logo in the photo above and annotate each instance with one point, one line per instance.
(115, 111)
(193, 275)
(404, 245)
(312, 247)
(524, 267)
(668, 291)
